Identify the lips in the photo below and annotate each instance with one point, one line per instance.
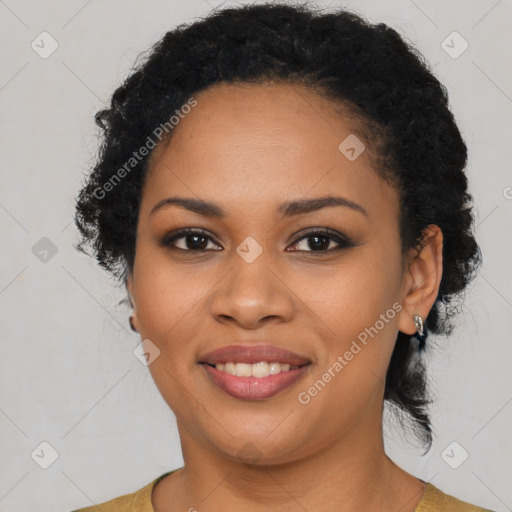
(254, 388)
(252, 354)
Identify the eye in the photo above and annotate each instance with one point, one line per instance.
(320, 239)
(195, 240)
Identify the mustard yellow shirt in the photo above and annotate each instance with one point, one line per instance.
(433, 500)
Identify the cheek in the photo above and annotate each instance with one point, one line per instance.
(360, 305)
(169, 300)
(159, 279)
(353, 295)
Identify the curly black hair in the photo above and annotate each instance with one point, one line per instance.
(368, 70)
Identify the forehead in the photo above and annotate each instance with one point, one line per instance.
(253, 143)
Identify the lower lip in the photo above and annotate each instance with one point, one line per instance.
(254, 388)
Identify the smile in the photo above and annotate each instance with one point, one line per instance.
(255, 381)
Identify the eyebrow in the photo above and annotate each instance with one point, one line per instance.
(287, 209)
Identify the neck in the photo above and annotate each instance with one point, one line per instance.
(360, 476)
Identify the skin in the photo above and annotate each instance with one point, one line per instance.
(248, 148)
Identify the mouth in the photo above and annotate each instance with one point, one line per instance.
(256, 381)
(253, 372)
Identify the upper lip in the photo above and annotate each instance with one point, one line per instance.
(252, 354)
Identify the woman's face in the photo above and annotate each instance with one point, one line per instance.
(261, 274)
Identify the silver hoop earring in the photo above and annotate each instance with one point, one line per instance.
(420, 330)
(418, 322)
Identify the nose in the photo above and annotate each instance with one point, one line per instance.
(252, 294)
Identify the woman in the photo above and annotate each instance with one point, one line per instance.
(282, 192)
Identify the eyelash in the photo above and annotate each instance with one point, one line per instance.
(342, 240)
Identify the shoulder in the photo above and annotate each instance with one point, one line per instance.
(138, 501)
(435, 500)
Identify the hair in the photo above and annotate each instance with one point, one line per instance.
(367, 70)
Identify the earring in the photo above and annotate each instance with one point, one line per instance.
(131, 324)
(420, 330)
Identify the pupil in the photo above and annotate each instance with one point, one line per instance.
(195, 245)
(320, 246)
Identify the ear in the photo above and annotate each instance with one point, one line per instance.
(130, 289)
(422, 278)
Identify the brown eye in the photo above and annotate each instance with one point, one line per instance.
(195, 240)
(320, 241)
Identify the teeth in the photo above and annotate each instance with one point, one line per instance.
(261, 369)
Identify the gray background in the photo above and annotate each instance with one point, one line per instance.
(68, 373)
